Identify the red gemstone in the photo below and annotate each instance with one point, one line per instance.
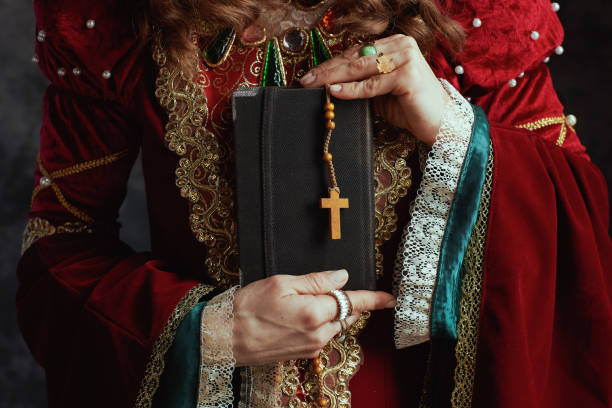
(328, 22)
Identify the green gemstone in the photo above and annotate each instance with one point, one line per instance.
(218, 49)
(273, 71)
(367, 50)
(320, 52)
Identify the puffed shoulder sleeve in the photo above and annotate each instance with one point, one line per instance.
(96, 315)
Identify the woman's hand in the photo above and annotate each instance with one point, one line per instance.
(288, 317)
(410, 97)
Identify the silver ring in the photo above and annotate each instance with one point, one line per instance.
(342, 302)
(350, 304)
(343, 329)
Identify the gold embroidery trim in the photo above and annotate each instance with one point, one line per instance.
(198, 174)
(155, 366)
(467, 327)
(38, 228)
(551, 121)
(392, 147)
(75, 169)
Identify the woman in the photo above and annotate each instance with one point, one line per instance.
(501, 296)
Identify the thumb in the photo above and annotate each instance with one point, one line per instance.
(320, 283)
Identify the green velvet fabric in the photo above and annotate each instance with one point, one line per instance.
(178, 386)
(461, 221)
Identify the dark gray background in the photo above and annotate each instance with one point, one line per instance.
(582, 77)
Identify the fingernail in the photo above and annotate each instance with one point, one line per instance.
(335, 87)
(307, 79)
(338, 276)
(391, 304)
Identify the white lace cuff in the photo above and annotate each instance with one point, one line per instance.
(217, 357)
(416, 265)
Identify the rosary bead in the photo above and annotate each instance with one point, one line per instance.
(323, 402)
(329, 106)
(330, 125)
(317, 369)
(316, 360)
(329, 115)
(327, 157)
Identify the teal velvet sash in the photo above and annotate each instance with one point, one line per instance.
(461, 221)
(178, 386)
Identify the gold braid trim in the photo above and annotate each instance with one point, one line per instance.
(544, 122)
(38, 228)
(467, 327)
(155, 366)
(199, 174)
(340, 358)
(75, 169)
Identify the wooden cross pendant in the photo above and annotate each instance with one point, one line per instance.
(334, 203)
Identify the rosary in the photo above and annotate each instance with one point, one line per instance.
(334, 203)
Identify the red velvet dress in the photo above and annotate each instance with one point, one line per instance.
(99, 317)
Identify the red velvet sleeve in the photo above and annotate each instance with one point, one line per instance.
(546, 314)
(97, 316)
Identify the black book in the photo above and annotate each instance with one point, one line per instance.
(281, 177)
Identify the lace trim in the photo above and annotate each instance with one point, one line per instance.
(392, 180)
(416, 265)
(156, 364)
(217, 357)
(467, 327)
(264, 390)
(38, 228)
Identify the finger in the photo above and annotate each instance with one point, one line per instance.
(313, 311)
(318, 283)
(351, 66)
(367, 300)
(332, 329)
(354, 52)
(360, 69)
(377, 85)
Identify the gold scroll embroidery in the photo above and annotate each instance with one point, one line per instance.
(75, 169)
(38, 228)
(392, 180)
(156, 363)
(203, 168)
(340, 357)
(467, 327)
(551, 121)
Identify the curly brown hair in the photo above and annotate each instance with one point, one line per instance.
(421, 19)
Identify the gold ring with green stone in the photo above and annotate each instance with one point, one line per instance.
(368, 49)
